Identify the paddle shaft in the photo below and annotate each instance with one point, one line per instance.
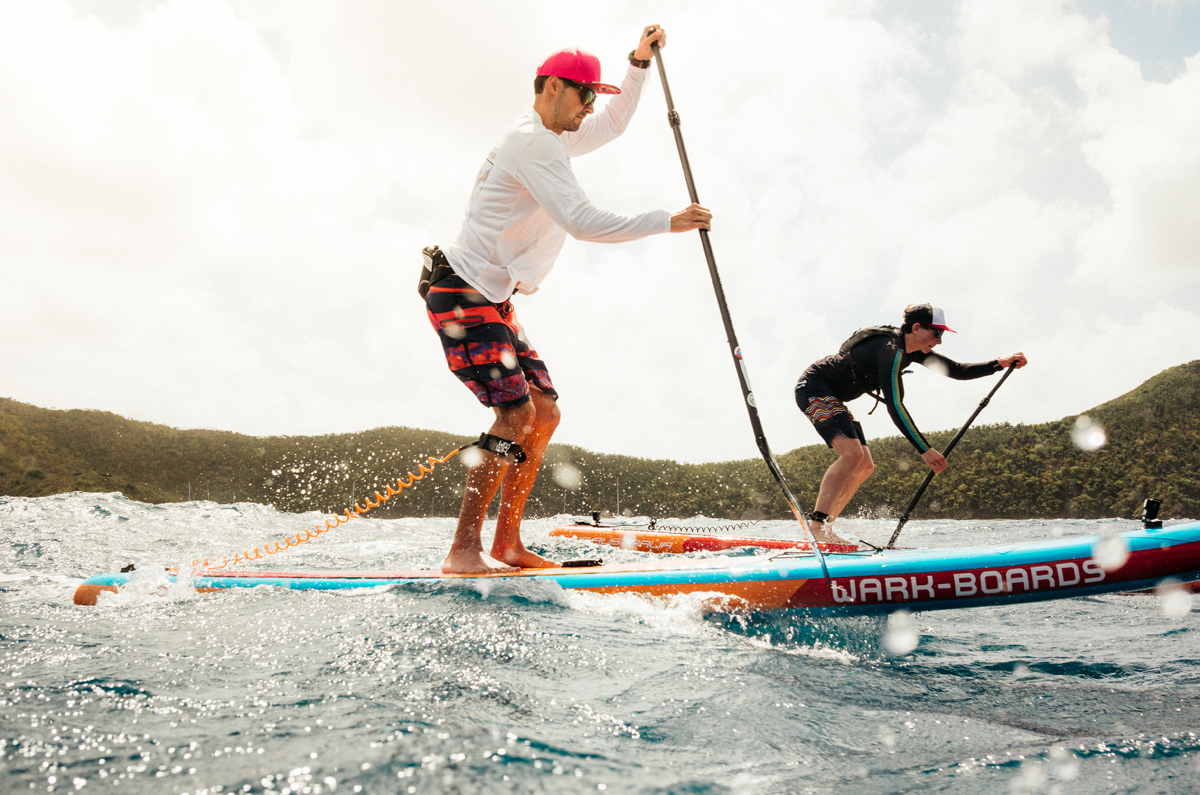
(929, 478)
(760, 436)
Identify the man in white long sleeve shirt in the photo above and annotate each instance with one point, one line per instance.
(525, 202)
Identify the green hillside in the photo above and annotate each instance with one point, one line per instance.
(997, 471)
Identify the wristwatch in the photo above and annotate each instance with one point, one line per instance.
(639, 63)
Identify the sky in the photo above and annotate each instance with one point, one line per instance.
(211, 211)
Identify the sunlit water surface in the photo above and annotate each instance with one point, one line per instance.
(523, 687)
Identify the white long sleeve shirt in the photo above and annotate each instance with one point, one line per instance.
(526, 200)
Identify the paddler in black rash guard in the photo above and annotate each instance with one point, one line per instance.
(872, 361)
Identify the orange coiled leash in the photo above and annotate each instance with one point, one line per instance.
(338, 519)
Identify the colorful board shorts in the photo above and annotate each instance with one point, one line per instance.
(828, 414)
(485, 345)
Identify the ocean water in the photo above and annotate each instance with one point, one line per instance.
(522, 687)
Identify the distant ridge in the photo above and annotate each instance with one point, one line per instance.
(997, 471)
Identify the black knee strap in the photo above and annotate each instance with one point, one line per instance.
(509, 451)
(819, 516)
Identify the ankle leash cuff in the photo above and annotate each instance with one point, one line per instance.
(509, 451)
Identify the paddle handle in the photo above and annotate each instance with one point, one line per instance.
(929, 477)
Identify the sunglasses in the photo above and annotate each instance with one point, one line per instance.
(586, 95)
(937, 332)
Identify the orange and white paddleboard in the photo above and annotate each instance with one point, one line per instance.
(676, 543)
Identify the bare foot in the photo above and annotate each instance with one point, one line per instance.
(837, 541)
(827, 536)
(519, 556)
(473, 561)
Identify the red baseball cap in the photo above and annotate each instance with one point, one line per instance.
(578, 66)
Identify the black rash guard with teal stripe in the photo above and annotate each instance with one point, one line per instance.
(877, 363)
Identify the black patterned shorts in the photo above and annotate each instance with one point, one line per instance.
(827, 413)
(484, 344)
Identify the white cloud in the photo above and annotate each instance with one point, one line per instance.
(1142, 139)
(1019, 39)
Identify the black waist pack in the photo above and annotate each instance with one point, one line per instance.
(435, 268)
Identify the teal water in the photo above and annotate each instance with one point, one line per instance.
(522, 687)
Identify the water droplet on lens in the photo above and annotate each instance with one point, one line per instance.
(1110, 552)
(568, 477)
(1087, 434)
(1174, 599)
(1062, 764)
(1032, 778)
(936, 366)
(901, 635)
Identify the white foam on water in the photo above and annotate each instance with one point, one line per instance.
(679, 615)
(815, 651)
